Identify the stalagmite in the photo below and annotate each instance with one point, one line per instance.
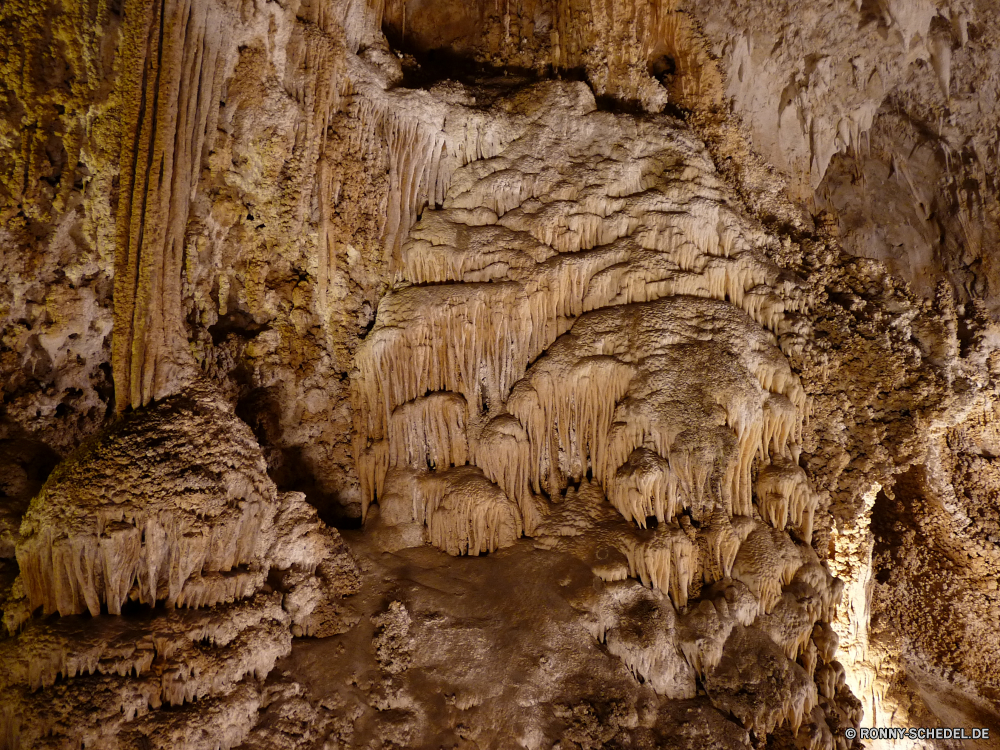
(171, 509)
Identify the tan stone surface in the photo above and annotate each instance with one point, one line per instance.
(699, 298)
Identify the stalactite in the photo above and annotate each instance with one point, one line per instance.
(315, 72)
(549, 254)
(718, 545)
(784, 497)
(644, 486)
(429, 432)
(760, 699)
(503, 453)
(173, 73)
(603, 330)
(445, 338)
(567, 400)
(464, 512)
(425, 145)
(789, 625)
(78, 551)
(640, 34)
(666, 559)
(766, 561)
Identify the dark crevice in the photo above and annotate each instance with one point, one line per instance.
(424, 69)
(288, 466)
(235, 322)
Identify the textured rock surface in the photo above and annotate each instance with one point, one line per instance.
(171, 509)
(647, 349)
(882, 113)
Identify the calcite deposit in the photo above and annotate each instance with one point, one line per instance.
(177, 571)
(525, 374)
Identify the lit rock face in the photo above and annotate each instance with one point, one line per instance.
(644, 52)
(945, 511)
(585, 345)
(881, 113)
(179, 576)
(643, 441)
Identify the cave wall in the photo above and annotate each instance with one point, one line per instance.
(877, 110)
(173, 175)
(655, 299)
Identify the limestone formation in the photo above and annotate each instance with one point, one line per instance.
(179, 575)
(644, 354)
(576, 314)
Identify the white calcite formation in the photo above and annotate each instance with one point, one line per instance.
(179, 576)
(557, 224)
(464, 512)
(584, 345)
(620, 271)
(510, 321)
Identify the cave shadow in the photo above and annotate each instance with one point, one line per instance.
(288, 466)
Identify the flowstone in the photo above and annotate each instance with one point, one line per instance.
(584, 345)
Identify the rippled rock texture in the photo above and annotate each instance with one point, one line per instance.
(644, 355)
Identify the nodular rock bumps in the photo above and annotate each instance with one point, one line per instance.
(497, 374)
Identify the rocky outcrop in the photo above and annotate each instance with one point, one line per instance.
(195, 574)
(531, 296)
